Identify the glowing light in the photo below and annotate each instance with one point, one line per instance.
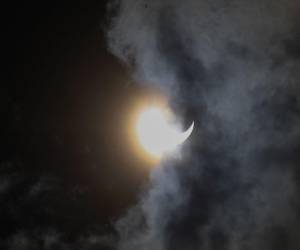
(156, 135)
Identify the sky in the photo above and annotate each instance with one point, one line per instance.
(233, 68)
(66, 171)
(74, 73)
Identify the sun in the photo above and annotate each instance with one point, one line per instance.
(156, 134)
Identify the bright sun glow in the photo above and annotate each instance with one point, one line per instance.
(156, 135)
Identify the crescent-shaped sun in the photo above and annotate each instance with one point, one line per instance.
(158, 136)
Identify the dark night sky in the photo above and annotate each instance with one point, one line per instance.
(70, 177)
(64, 155)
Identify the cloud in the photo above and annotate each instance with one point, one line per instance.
(51, 239)
(233, 67)
(32, 218)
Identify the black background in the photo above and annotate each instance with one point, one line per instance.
(64, 103)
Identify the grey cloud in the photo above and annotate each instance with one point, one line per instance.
(233, 67)
(51, 239)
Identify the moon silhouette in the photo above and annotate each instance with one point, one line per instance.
(158, 136)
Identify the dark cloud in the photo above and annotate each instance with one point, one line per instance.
(233, 67)
(50, 239)
(36, 214)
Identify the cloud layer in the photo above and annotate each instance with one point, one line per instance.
(233, 67)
